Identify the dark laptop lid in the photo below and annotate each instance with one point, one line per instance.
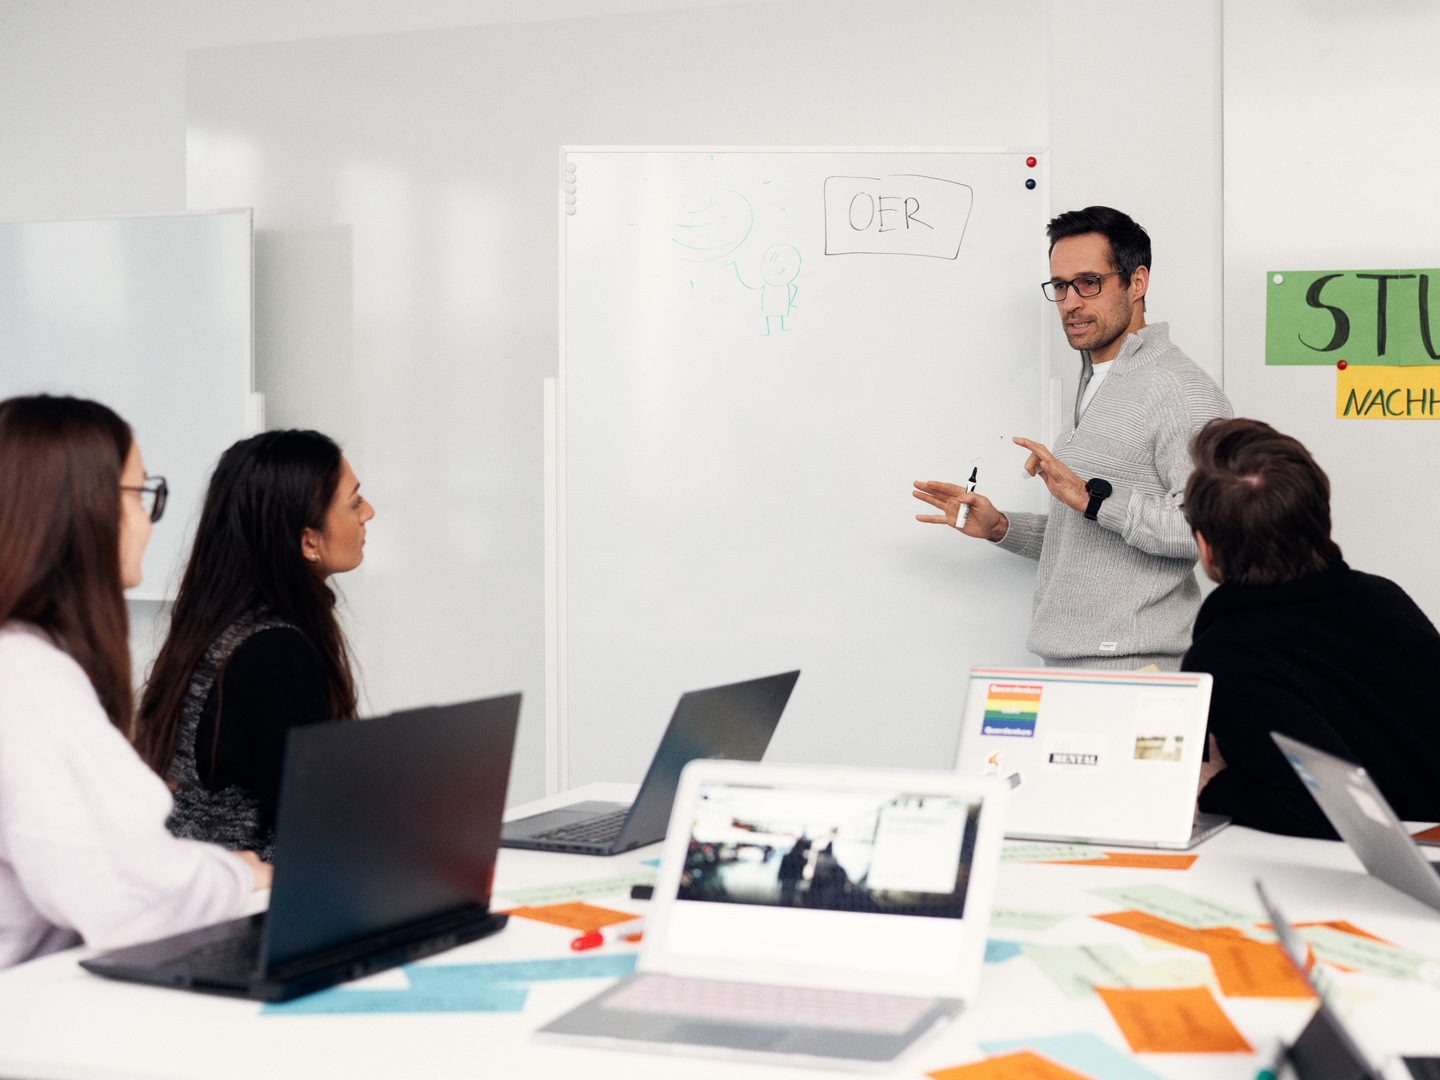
(734, 722)
(387, 822)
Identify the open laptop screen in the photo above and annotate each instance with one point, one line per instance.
(863, 880)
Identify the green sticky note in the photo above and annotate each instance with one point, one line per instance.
(1364, 317)
(1020, 919)
(1352, 951)
(1077, 969)
(1049, 853)
(1187, 909)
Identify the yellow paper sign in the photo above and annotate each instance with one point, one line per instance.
(1369, 392)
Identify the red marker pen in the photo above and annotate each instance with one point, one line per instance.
(608, 935)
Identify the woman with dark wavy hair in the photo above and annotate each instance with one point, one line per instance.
(254, 646)
(84, 852)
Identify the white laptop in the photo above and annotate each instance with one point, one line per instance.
(806, 915)
(1109, 757)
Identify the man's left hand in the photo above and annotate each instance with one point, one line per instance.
(1058, 477)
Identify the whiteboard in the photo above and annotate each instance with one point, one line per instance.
(761, 350)
(152, 316)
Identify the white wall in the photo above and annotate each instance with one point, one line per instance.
(94, 123)
(1329, 164)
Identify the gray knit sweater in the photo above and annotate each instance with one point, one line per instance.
(1122, 590)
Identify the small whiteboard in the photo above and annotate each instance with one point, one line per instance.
(761, 350)
(152, 316)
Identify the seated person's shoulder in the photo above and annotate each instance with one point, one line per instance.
(275, 652)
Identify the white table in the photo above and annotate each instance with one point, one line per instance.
(58, 1021)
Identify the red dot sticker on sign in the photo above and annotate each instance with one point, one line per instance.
(1341, 364)
(1030, 161)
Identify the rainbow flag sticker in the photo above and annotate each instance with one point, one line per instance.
(1011, 709)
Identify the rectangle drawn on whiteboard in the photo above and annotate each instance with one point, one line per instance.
(904, 214)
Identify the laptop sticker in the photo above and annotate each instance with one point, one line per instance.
(1367, 804)
(1074, 750)
(1011, 709)
(1160, 724)
(1301, 771)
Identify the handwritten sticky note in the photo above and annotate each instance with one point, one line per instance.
(1084, 1052)
(1021, 1066)
(443, 976)
(1187, 1021)
(1362, 953)
(1187, 909)
(578, 916)
(476, 998)
(1152, 926)
(1247, 968)
(1173, 971)
(589, 889)
(1021, 919)
(1049, 853)
(1077, 969)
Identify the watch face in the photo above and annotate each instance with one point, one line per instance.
(1098, 488)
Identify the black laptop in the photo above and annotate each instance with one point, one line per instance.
(385, 845)
(733, 721)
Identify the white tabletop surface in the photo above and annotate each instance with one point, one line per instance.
(58, 1021)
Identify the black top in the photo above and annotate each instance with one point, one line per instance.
(274, 680)
(1342, 660)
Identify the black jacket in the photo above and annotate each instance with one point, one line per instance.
(1341, 660)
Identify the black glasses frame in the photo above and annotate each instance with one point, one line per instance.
(1055, 290)
(155, 486)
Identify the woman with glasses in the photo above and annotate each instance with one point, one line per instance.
(84, 852)
(254, 647)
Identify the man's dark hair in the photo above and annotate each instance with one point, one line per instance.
(1129, 242)
(1261, 503)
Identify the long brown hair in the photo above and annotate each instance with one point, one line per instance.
(264, 493)
(60, 465)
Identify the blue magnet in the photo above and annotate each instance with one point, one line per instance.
(1030, 184)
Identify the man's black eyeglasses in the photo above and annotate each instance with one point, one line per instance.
(153, 494)
(1085, 285)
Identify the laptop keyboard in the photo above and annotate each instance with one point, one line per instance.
(235, 957)
(600, 830)
(778, 1006)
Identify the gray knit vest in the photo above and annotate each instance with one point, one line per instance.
(229, 817)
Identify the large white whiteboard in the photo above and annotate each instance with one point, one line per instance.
(734, 503)
(152, 316)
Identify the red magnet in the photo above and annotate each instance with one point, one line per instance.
(1030, 161)
(1341, 365)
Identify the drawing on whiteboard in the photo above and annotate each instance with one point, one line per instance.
(903, 214)
(779, 267)
(710, 224)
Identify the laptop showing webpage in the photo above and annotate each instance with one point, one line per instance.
(1108, 757)
(385, 844)
(808, 916)
(1364, 819)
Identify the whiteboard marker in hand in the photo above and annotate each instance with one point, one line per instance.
(965, 507)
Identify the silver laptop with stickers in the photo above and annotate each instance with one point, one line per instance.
(1109, 757)
(816, 916)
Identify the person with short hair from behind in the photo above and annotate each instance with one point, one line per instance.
(1300, 643)
(84, 852)
(254, 646)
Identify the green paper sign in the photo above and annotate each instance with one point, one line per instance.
(1364, 317)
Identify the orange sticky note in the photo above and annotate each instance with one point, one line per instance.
(1246, 968)
(1187, 1021)
(1427, 836)
(1153, 926)
(1023, 1065)
(577, 916)
(1344, 926)
(1135, 860)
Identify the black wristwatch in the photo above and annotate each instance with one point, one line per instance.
(1098, 490)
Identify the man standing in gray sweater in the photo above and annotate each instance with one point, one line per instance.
(1116, 584)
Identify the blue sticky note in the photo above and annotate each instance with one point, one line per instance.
(997, 951)
(459, 976)
(480, 997)
(1084, 1052)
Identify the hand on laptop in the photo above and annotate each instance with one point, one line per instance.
(1210, 767)
(261, 870)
